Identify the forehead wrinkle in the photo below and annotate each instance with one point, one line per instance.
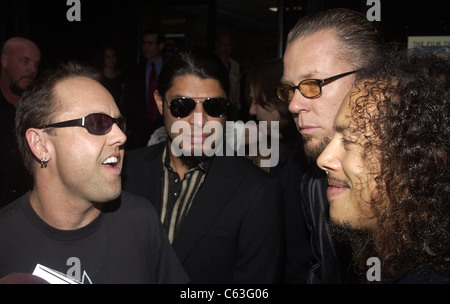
(299, 78)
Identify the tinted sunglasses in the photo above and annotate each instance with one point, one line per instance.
(310, 88)
(183, 106)
(96, 123)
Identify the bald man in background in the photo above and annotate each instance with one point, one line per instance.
(20, 60)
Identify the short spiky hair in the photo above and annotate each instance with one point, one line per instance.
(410, 130)
(38, 105)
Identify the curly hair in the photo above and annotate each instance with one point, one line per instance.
(410, 135)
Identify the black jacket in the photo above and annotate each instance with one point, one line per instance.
(233, 231)
(331, 262)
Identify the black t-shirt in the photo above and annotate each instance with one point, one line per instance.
(125, 244)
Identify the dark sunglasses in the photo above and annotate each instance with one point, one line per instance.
(183, 106)
(310, 88)
(96, 123)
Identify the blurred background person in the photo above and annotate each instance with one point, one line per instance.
(20, 59)
(113, 77)
(139, 104)
(224, 46)
(264, 105)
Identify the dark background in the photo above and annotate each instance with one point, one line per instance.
(258, 33)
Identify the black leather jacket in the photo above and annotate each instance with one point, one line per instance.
(330, 262)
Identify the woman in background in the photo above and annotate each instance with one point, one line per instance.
(112, 76)
(265, 106)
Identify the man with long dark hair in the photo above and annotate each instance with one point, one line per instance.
(222, 214)
(388, 169)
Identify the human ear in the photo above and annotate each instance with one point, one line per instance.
(38, 143)
(159, 101)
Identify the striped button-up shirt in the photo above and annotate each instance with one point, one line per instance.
(177, 194)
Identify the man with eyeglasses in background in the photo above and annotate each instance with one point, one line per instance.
(322, 53)
(222, 213)
(76, 225)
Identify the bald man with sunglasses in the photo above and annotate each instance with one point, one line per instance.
(222, 214)
(76, 225)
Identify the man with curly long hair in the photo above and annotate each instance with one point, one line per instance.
(388, 168)
(323, 51)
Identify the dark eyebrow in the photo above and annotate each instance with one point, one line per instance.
(339, 128)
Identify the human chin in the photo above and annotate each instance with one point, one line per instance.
(109, 192)
(313, 146)
(345, 233)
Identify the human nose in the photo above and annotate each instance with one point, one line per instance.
(199, 117)
(329, 160)
(32, 67)
(118, 136)
(299, 103)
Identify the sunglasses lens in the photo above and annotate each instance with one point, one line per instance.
(310, 88)
(121, 123)
(285, 94)
(98, 124)
(182, 107)
(215, 107)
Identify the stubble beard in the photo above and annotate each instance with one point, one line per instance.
(358, 240)
(314, 150)
(193, 160)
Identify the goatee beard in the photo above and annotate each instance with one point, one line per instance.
(360, 242)
(313, 151)
(16, 89)
(193, 161)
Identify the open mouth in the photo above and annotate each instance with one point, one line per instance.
(111, 161)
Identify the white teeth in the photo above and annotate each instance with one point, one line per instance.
(111, 160)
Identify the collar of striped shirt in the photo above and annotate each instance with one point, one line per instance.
(178, 195)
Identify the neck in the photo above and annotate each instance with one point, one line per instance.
(178, 165)
(10, 96)
(153, 59)
(109, 72)
(60, 211)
